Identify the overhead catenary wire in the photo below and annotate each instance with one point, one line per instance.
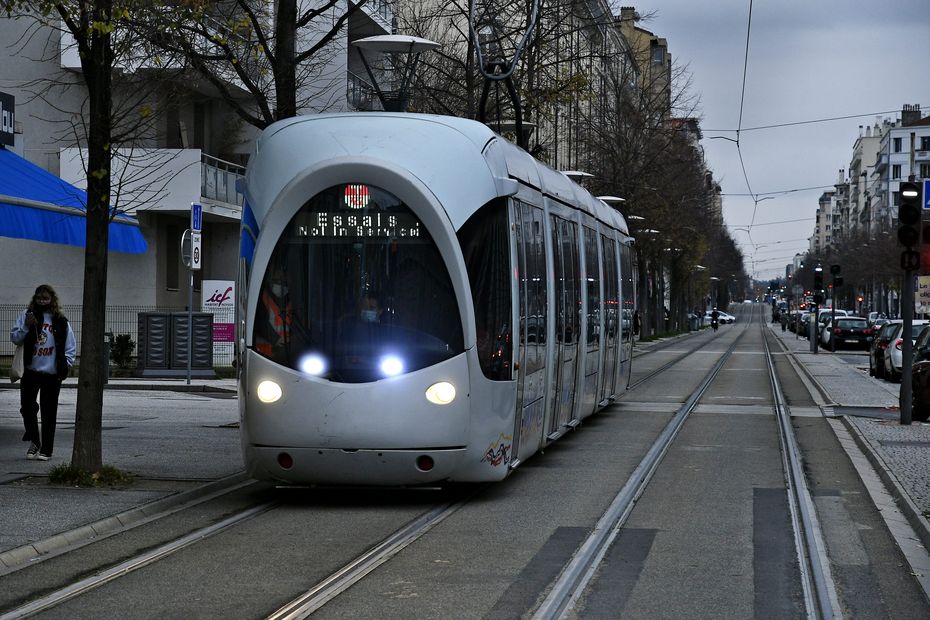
(797, 123)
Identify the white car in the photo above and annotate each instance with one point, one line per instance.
(723, 317)
(894, 356)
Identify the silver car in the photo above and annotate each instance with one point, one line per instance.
(894, 356)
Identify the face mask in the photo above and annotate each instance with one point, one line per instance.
(369, 316)
(42, 308)
(278, 290)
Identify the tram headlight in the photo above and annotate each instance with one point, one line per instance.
(441, 393)
(268, 391)
(313, 364)
(391, 365)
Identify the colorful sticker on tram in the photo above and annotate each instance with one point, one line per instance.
(499, 451)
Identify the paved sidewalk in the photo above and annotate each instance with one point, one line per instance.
(175, 438)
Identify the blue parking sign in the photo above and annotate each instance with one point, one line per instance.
(927, 194)
(196, 216)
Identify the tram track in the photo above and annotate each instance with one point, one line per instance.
(300, 607)
(820, 595)
(575, 577)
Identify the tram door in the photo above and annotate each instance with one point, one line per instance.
(530, 244)
(627, 292)
(567, 297)
(592, 335)
(612, 319)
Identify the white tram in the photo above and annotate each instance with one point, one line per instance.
(420, 301)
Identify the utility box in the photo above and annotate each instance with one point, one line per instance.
(164, 339)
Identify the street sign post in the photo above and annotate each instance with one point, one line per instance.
(194, 262)
(196, 217)
(196, 258)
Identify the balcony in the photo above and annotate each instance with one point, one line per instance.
(164, 180)
(922, 156)
(360, 94)
(881, 162)
(218, 180)
(380, 12)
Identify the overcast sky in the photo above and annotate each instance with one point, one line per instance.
(808, 60)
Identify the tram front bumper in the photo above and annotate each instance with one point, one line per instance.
(364, 467)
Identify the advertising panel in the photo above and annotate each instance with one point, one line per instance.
(219, 297)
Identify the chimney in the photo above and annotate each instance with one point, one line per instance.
(910, 114)
(840, 177)
(868, 131)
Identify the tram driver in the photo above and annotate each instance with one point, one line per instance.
(275, 317)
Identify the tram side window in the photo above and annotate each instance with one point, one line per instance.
(610, 289)
(571, 272)
(485, 245)
(534, 244)
(626, 274)
(593, 288)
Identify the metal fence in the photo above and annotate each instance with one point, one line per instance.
(119, 320)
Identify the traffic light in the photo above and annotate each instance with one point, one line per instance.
(909, 224)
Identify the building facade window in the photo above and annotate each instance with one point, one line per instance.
(925, 171)
(896, 146)
(895, 198)
(925, 143)
(896, 171)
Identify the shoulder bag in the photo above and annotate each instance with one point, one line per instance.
(18, 367)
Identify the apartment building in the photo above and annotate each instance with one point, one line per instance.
(903, 152)
(194, 151)
(823, 227)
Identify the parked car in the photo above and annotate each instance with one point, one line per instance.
(878, 347)
(894, 355)
(805, 325)
(846, 331)
(876, 325)
(920, 378)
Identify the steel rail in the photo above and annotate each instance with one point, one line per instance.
(357, 569)
(578, 573)
(820, 595)
(123, 568)
(663, 367)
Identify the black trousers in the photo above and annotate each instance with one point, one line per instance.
(46, 388)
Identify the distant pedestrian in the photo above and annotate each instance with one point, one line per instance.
(636, 323)
(48, 354)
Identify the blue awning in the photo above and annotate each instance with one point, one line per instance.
(37, 205)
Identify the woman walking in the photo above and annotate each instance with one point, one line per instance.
(48, 353)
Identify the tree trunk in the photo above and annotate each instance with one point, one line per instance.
(285, 71)
(87, 453)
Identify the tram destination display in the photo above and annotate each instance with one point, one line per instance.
(332, 225)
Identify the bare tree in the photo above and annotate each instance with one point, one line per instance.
(266, 60)
(115, 116)
(91, 23)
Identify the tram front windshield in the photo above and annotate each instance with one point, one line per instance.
(356, 291)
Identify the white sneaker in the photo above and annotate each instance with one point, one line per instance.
(32, 452)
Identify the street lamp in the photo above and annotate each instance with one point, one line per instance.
(404, 51)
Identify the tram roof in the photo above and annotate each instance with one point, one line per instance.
(440, 151)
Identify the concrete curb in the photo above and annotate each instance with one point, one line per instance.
(19, 557)
(905, 504)
(141, 386)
